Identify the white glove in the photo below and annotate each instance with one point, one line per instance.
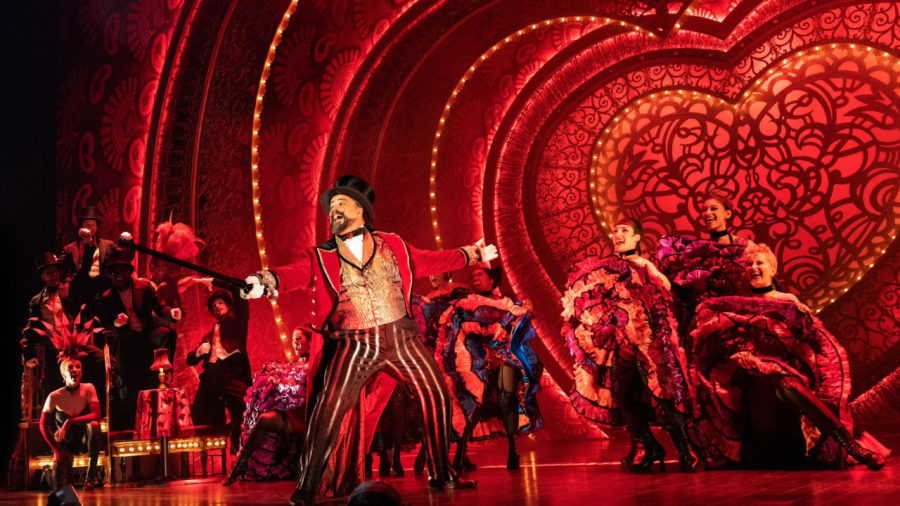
(203, 349)
(488, 252)
(31, 362)
(85, 235)
(176, 314)
(256, 288)
(121, 320)
(127, 236)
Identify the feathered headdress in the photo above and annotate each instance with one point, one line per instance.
(177, 240)
(70, 343)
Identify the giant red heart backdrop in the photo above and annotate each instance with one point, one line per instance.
(535, 124)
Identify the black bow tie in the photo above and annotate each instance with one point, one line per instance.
(353, 233)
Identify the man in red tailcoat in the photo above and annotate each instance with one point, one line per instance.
(361, 284)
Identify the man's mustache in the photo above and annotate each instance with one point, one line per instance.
(335, 215)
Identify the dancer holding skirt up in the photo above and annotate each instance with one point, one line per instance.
(772, 383)
(627, 352)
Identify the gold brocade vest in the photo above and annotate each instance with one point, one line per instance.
(371, 292)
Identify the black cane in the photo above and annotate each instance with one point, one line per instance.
(240, 283)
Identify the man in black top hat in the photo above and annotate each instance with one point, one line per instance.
(226, 366)
(127, 308)
(56, 309)
(361, 285)
(86, 259)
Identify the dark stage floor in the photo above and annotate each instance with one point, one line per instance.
(558, 474)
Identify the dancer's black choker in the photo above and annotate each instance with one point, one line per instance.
(487, 293)
(353, 233)
(628, 253)
(720, 233)
(762, 290)
(74, 389)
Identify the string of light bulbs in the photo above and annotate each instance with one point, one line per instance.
(432, 191)
(254, 160)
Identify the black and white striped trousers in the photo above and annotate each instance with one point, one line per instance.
(395, 349)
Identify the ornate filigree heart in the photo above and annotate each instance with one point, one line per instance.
(810, 155)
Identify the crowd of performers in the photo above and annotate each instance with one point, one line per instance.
(703, 341)
(700, 340)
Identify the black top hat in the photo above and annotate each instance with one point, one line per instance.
(45, 260)
(219, 294)
(357, 189)
(120, 256)
(89, 213)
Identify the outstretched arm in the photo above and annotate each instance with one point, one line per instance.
(281, 279)
(429, 263)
